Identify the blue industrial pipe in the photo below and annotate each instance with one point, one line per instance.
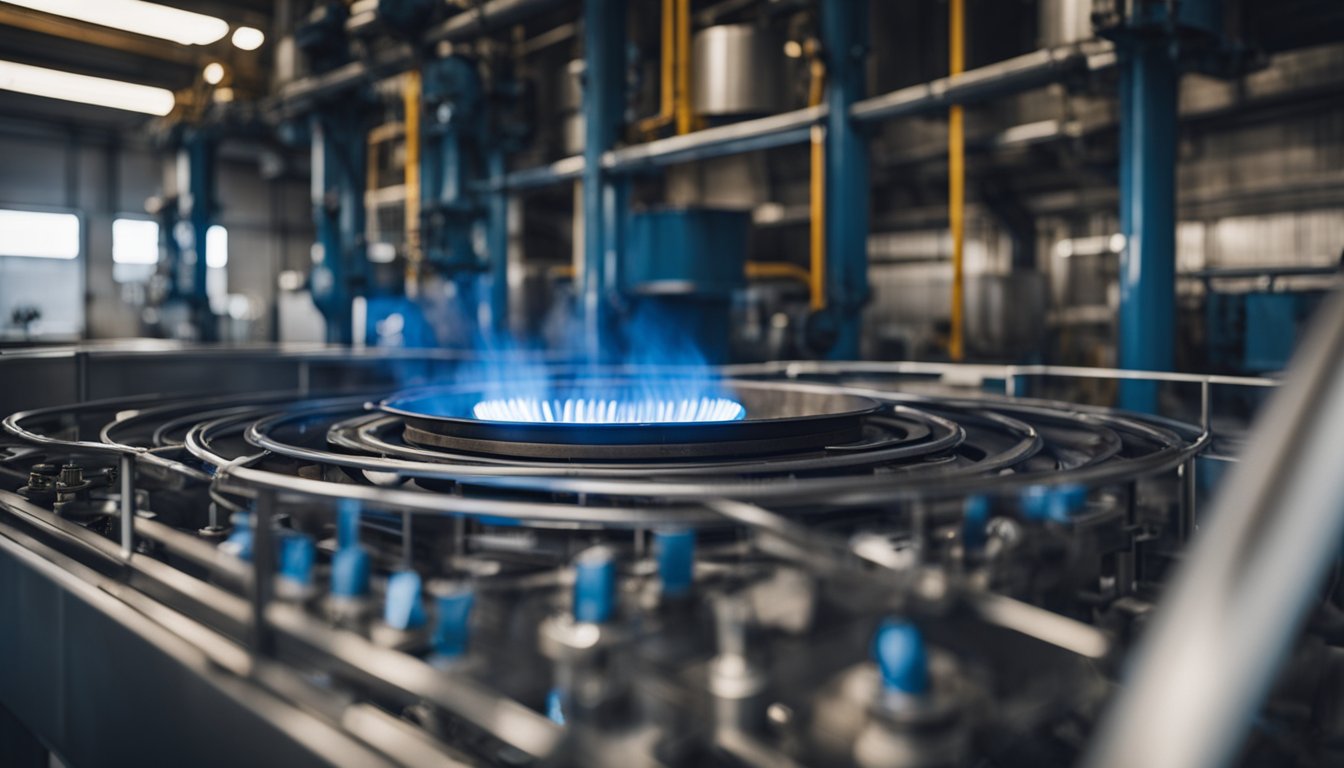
(603, 202)
(844, 25)
(1149, 79)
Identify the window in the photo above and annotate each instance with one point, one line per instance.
(135, 256)
(135, 250)
(39, 235)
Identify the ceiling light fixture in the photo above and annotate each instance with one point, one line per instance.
(213, 73)
(139, 17)
(248, 38)
(55, 84)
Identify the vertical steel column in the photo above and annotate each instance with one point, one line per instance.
(844, 25)
(1149, 79)
(603, 109)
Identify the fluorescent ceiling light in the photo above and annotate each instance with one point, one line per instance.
(55, 84)
(248, 38)
(137, 16)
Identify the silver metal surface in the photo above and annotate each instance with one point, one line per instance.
(736, 70)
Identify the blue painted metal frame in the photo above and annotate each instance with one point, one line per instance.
(340, 268)
(604, 198)
(844, 26)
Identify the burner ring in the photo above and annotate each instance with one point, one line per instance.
(780, 418)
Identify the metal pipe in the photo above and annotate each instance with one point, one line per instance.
(603, 107)
(410, 95)
(766, 270)
(1149, 79)
(127, 469)
(1004, 78)
(480, 18)
(685, 118)
(844, 43)
(956, 181)
(667, 80)
(1236, 604)
(816, 282)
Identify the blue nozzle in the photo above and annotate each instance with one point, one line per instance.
(675, 551)
(1053, 503)
(594, 585)
(404, 609)
(239, 543)
(555, 706)
(350, 573)
(297, 555)
(347, 524)
(975, 517)
(451, 630)
(901, 658)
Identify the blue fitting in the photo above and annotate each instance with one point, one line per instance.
(451, 627)
(555, 706)
(403, 608)
(1053, 503)
(297, 556)
(594, 585)
(901, 658)
(347, 524)
(675, 551)
(239, 543)
(350, 573)
(974, 519)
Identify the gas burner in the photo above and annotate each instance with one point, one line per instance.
(743, 419)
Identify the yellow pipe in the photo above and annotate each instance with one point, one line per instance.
(956, 185)
(667, 103)
(410, 95)
(685, 118)
(767, 270)
(817, 191)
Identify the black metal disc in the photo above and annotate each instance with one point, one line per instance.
(779, 418)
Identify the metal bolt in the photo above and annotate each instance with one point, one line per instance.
(71, 475)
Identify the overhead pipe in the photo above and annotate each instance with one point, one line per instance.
(410, 95)
(667, 74)
(816, 281)
(685, 116)
(956, 181)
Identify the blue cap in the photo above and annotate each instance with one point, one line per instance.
(451, 626)
(901, 657)
(297, 555)
(404, 609)
(239, 543)
(975, 517)
(555, 708)
(675, 551)
(594, 585)
(347, 524)
(1053, 503)
(350, 573)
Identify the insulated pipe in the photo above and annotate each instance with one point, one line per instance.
(1237, 602)
(956, 182)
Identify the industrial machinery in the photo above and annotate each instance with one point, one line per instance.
(433, 558)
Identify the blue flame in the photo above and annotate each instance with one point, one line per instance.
(650, 373)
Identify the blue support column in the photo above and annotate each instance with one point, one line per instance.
(196, 200)
(340, 269)
(1149, 80)
(844, 27)
(603, 201)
